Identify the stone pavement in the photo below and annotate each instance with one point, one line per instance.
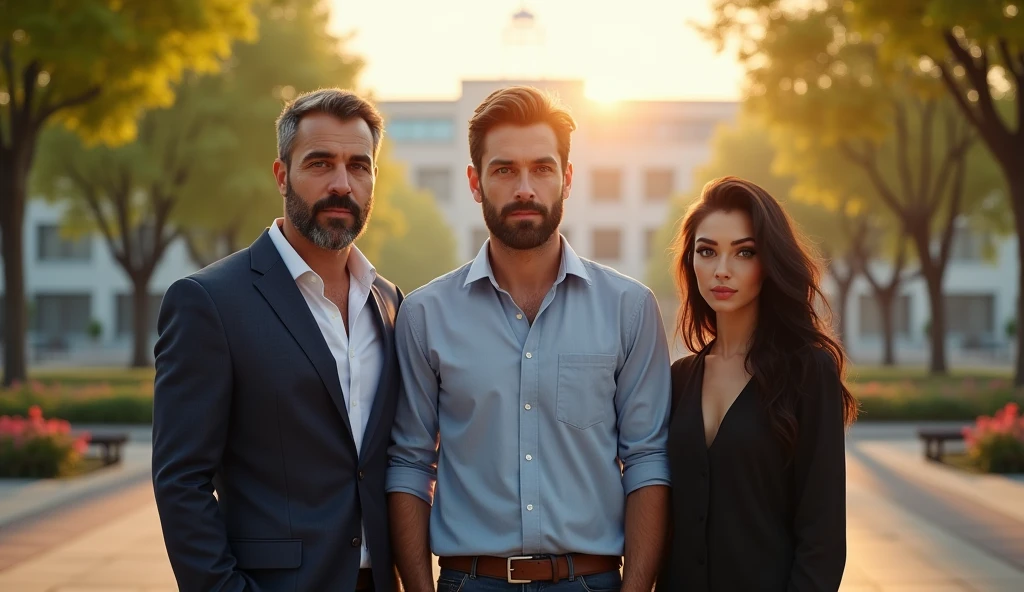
(913, 525)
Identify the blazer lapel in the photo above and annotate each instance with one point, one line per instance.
(279, 289)
(382, 316)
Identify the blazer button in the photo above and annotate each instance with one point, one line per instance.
(360, 475)
(700, 560)
(356, 541)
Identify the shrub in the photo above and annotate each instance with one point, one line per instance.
(996, 444)
(37, 447)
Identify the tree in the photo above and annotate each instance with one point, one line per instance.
(91, 66)
(295, 53)
(200, 168)
(832, 90)
(128, 194)
(976, 49)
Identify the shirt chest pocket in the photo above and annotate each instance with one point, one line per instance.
(586, 389)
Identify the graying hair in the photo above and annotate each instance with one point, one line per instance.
(343, 104)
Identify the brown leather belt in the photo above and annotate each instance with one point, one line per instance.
(533, 568)
(365, 579)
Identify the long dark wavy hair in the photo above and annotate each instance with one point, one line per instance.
(789, 325)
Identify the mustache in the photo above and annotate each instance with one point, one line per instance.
(523, 206)
(337, 201)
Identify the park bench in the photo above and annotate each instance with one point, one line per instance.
(934, 440)
(111, 446)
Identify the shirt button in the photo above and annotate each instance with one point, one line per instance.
(529, 507)
(351, 353)
(355, 403)
(519, 316)
(527, 407)
(528, 355)
(529, 457)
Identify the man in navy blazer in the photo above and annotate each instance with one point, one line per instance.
(276, 382)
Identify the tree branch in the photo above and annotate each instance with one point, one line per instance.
(46, 111)
(927, 127)
(977, 74)
(869, 163)
(92, 201)
(902, 150)
(956, 201)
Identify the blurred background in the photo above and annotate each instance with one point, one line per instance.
(136, 143)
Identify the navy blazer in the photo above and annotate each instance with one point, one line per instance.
(248, 404)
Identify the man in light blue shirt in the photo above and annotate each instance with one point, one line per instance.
(536, 391)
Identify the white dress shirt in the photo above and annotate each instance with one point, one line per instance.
(359, 352)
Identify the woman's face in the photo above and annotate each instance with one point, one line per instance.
(726, 262)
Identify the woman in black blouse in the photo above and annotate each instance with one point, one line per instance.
(756, 442)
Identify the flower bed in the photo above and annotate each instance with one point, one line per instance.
(996, 444)
(34, 446)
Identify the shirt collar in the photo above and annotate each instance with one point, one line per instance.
(359, 267)
(570, 264)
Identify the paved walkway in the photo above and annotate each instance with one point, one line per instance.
(913, 525)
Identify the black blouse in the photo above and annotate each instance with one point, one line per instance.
(746, 517)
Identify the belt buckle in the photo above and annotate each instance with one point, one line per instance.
(508, 569)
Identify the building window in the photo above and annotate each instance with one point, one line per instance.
(421, 130)
(970, 315)
(54, 247)
(607, 185)
(126, 313)
(659, 184)
(61, 315)
(968, 246)
(871, 316)
(437, 181)
(607, 244)
(477, 240)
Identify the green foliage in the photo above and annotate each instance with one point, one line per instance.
(95, 64)
(232, 178)
(999, 453)
(425, 247)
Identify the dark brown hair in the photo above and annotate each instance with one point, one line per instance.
(789, 328)
(343, 104)
(519, 105)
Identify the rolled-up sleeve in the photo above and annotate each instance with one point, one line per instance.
(412, 456)
(642, 400)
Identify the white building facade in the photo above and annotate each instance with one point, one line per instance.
(629, 159)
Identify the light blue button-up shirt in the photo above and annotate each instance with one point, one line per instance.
(534, 434)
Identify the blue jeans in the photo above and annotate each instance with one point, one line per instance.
(460, 581)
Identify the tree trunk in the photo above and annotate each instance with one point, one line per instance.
(886, 299)
(140, 320)
(937, 335)
(13, 180)
(1016, 182)
(841, 304)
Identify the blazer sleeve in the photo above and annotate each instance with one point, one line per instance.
(820, 483)
(191, 408)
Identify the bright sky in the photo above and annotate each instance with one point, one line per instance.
(632, 49)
